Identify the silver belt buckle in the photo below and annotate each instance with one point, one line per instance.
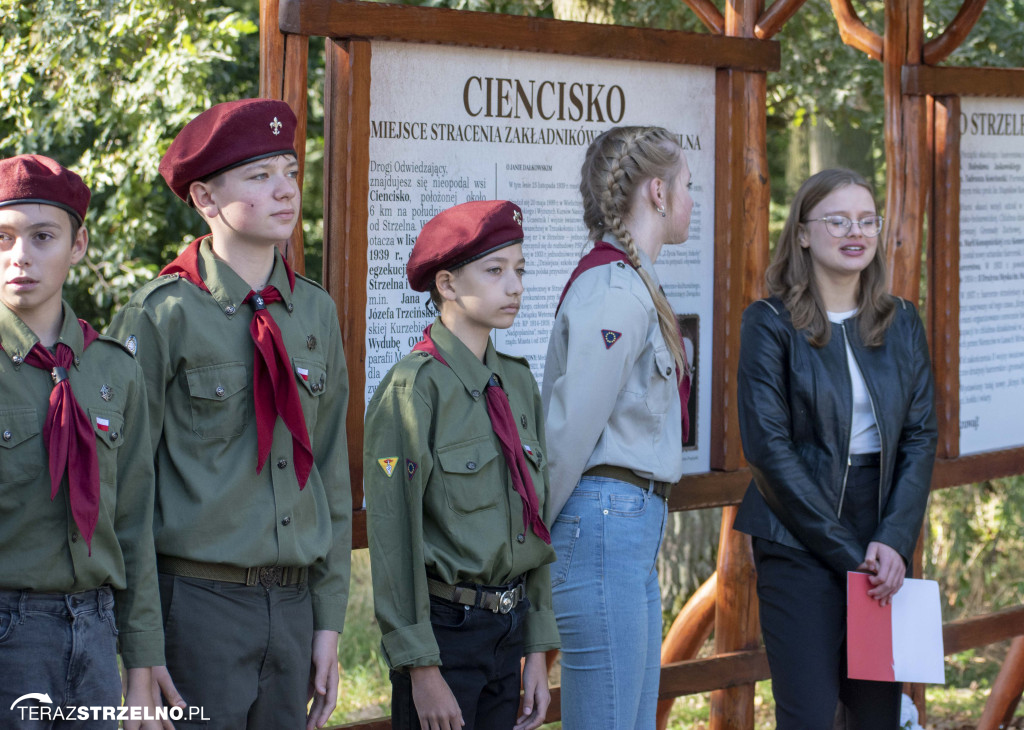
(506, 601)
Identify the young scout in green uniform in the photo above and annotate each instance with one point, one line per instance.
(76, 484)
(456, 486)
(247, 399)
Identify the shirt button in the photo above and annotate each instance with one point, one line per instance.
(286, 521)
(113, 436)
(282, 463)
(471, 465)
(74, 537)
(475, 393)
(8, 435)
(520, 538)
(291, 306)
(219, 391)
(17, 360)
(229, 310)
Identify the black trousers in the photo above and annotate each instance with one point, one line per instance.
(803, 621)
(480, 661)
(242, 653)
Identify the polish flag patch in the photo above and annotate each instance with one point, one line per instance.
(103, 424)
(304, 374)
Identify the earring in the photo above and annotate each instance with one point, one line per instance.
(661, 209)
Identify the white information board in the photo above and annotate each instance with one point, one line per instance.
(991, 274)
(449, 125)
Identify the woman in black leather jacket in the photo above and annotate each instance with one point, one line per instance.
(838, 426)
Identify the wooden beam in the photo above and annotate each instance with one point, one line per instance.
(853, 31)
(957, 81)
(938, 49)
(772, 19)
(380, 21)
(944, 268)
(708, 14)
(720, 671)
(969, 633)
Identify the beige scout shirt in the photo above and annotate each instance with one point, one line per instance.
(445, 505)
(40, 547)
(197, 353)
(610, 390)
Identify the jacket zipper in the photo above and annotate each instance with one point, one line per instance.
(881, 441)
(846, 469)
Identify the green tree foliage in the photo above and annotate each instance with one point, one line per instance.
(103, 86)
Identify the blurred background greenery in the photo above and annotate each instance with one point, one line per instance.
(104, 85)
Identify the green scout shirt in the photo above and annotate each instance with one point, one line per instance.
(40, 547)
(446, 506)
(211, 506)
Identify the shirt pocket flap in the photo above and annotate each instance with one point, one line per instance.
(108, 426)
(664, 362)
(467, 458)
(17, 425)
(311, 374)
(217, 382)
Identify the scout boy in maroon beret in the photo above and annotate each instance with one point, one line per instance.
(247, 394)
(76, 486)
(456, 487)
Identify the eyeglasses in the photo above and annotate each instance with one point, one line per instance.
(839, 225)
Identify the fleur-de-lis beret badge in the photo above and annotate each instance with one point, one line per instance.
(275, 126)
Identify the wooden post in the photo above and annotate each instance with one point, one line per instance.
(283, 75)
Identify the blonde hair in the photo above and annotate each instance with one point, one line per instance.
(617, 165)
(790, 276)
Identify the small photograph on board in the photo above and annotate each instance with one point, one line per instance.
(689, 327)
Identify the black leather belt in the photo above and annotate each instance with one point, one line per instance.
(266, 576)
(497, 601)
(623, 474)
(873, 459)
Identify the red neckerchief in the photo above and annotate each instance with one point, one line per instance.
(69, 436)
(274, 390)
(503, 424)
(600, 255)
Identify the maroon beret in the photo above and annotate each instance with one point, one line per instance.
(462, 234)
(38, 179)
(225, 136)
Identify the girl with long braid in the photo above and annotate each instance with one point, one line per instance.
(615, 381)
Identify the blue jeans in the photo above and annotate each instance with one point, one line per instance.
(63, 646)
(608, 604)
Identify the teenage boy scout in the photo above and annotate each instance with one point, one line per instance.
(456, 485)
(247, 397)
(76, 482)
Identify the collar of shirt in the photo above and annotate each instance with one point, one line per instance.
(645, 260)
(472, 373)
(228, 288)
(17, 339)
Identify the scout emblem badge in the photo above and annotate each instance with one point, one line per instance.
(388, 464)
(106, 393)
(131, 344)
(610, 338)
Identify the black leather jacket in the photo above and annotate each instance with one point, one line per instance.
(795, 405)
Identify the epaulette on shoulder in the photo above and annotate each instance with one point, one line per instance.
(405, 371)
(515, 358)
(116, 343)
(306, 279)
(621, 275)
(151, 286)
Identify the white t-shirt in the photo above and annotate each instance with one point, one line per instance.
(864, 437)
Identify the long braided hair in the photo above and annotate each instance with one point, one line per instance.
(617, 164)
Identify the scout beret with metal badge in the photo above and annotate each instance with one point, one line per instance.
(460, 235)
(226, 136)
(39, 179)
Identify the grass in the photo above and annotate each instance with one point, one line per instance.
(365, 690)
